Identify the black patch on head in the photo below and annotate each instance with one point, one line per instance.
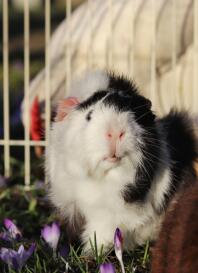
(88, 116)
(124, 96)
(97, 96)
(182, 145)
(122, 84)
(136, 104)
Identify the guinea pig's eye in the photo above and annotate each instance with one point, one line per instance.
(88, 116)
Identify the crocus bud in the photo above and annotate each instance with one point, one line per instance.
(13, 230)
(118, 245)
(118, 242)
(51, 235)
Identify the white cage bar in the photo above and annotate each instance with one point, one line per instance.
(195, 63)
(6, 90)
(90, 50)
(68, 6)
(110, 40)
(47, 69)
(153, 54)
(27, 90)
(174, 49)
(131, 47)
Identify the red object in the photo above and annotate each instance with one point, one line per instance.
(35, 121)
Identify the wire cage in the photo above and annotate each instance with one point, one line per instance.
(153, 41)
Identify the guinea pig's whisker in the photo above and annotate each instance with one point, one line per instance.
(149, 160)
(160, 160)
(141, 106)
(145, 170)
(153, 143)
(160, 141)
(143, 115)
(151, 140)
(143, 166)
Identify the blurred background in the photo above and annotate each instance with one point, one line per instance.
(46, 44)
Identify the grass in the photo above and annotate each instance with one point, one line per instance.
(31, 211)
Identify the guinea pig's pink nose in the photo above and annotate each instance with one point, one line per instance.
(114, 136)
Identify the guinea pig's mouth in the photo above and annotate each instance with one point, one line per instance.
(104, 165)
(112, 159)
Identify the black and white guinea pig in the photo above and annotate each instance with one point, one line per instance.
(111, 163)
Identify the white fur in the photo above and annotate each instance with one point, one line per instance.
(81, 179)
(91, 82)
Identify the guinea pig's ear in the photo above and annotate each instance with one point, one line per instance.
(64, 107)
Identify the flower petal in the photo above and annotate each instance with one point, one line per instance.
(5, 236)
(16, 259)
(56, 229)
(9, 256)
(51, 235)
(12, 229)
(30, 250)
(118, 239)
(46, 232)
(118, 245)
(107, 268)
(21, 250)
(8, 223)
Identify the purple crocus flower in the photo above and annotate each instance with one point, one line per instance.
(16, 259)
(12, 231)
(118, 240)
(107, 268)
(51, 235)
(118, 245)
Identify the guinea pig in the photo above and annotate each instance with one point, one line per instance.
(111, 163)
(176, 250)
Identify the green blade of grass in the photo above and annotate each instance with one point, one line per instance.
(145, 254)
(78, 261)
(96, 248)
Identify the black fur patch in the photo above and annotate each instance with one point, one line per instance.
(122, 84)
(135, 104)
(146, 171)
(124, 96)
(97, 96)
(182, 145)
